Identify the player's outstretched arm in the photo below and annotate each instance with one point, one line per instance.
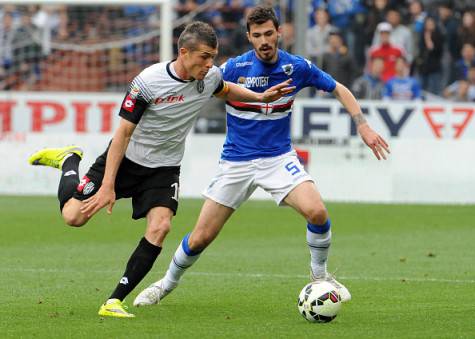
(372, 139)
(238, 93)
(105, 196)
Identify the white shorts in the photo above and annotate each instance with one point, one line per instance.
(237, 180)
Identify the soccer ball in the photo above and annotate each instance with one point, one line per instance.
(319, 302)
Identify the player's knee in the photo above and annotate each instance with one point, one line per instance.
(317, 216)
(73, 219)
(160, 228)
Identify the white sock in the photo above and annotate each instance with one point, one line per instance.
(183, 259)
(318, 240)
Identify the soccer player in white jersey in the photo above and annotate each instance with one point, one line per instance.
(258, 153)
(144, 156)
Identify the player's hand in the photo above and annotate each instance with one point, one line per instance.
(278, 91)
(105, 196)
(373, 140)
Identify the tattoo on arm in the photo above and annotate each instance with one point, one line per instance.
(359, 119)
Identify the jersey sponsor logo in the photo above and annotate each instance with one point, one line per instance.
(253, 81)
(288, 69)
(88, 188)
(83, 183)
(244, 64)
(171, 98)
(129, 103)
(200, 86)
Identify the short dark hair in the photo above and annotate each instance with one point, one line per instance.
(197, 33)
(260, 15)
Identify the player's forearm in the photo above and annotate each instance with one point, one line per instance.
(238, 93)
(115, 155)
(348, 100)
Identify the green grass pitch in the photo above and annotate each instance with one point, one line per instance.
(410, 269)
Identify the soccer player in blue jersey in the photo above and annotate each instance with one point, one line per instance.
(258, 153)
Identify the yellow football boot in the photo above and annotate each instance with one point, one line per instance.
(114, 308)
(54, 157)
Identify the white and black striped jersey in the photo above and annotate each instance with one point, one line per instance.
(164, 107)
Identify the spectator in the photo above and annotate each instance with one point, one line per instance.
(449, 24)
(342, 13)
(358, 27)
(317, 36)
(417, 21)
(428, 63)
(337, 61)
(467, 29)
(400, 35)
(232, 12)
(287, 39)
(183, 7)
(462, 90)
(370, 85)
(385, 50)
(462, 65)
(402, 86)
(48, 22)
(26, 51)
(376, 15)
(7, 30)
(418, 16)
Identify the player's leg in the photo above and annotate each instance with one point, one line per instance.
(140, 262)
(82, 190)
(142, 259)
(72, 214)
(288, 182)
(227, 191)
(66, 159)
(306, 200)
(212, 218)
(154, 196)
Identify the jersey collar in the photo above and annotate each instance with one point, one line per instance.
(173, 76)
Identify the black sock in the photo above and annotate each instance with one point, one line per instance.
(140, 263)
(69, 179)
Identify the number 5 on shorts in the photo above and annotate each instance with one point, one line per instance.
(292, 168)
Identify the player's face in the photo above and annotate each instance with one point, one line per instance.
(264, 38)
(199, 61)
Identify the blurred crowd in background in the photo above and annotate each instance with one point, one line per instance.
(381, 49)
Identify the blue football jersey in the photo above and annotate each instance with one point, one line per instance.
(257, 130)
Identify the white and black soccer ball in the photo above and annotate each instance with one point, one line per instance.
(319, 302)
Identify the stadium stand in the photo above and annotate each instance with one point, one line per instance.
(100, 48)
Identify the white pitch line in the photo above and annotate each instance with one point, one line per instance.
(247, 275)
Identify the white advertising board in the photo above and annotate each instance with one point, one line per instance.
(432, 159)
